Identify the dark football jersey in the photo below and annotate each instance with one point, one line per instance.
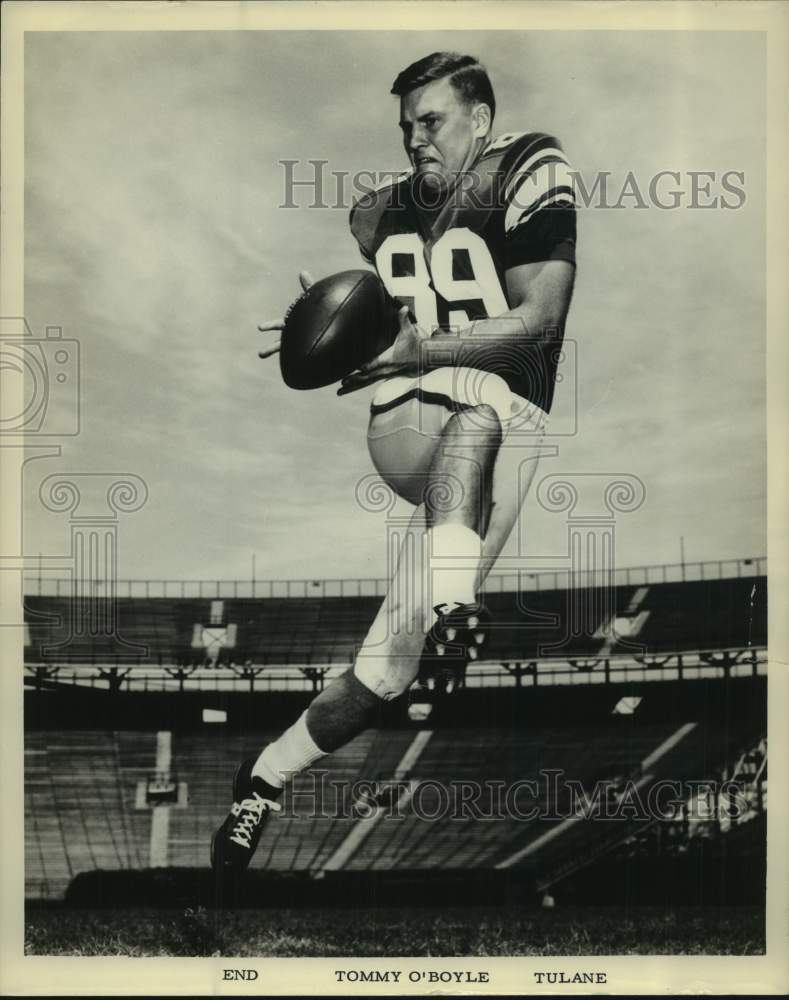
(515, 205)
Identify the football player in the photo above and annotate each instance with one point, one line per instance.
(477, 240)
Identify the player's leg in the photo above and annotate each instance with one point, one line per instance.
(452, 568)
(516, 465)
(457, 503)
(465, 456)
(440, 550)
(449, 459)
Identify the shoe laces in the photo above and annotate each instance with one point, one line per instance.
(251, 812)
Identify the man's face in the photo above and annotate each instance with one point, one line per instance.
(439, 132)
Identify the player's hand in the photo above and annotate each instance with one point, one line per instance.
(402, 357)
(276, 326)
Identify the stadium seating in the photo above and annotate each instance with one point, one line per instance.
(81, 814)
(82, 808)
(711, 614)
(664, 617)
(79, 805)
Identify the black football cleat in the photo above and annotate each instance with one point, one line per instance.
(236, 840)
(456, 638)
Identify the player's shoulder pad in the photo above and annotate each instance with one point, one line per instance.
(534, 173)
(367, 210)
(516, 155)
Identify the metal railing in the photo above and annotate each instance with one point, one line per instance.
(549, 672)
(41, 585)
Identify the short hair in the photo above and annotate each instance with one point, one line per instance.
(466, 74)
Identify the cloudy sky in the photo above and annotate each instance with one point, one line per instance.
(154, 236)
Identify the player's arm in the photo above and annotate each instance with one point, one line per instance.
(539, 293)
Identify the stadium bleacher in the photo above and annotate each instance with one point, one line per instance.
(90, 751)
(80, 796)
(79, 805)
(699, 615)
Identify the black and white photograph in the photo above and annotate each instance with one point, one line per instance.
(388, 575)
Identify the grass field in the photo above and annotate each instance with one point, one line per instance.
(604, 930)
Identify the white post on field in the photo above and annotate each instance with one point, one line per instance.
(160, 814)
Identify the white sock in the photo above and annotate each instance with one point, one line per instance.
(454, 552)
(294, 751)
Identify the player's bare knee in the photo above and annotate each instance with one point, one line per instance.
(493, 392)
(487, 418)
(477, 424)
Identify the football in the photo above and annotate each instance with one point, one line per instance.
(338, 324)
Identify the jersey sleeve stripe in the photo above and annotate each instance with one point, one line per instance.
(550, 175)
(549, 155)
(530, 146)
(517, 215)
